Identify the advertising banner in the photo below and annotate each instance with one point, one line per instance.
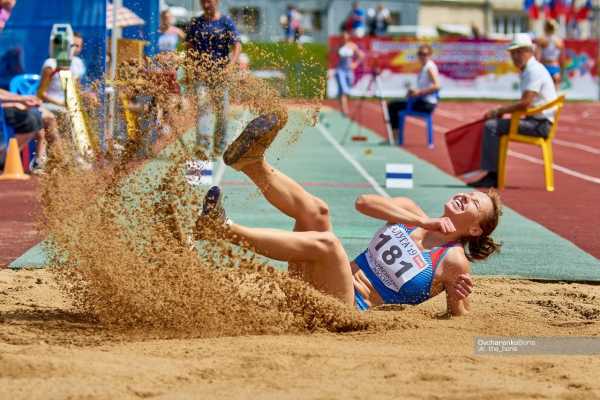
(478, 68)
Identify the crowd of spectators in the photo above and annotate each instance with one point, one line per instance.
(361, 22)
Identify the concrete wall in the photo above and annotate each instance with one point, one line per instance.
(459, 14)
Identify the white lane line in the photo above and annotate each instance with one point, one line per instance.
(560, 168)
(559, 142)
(449, 114)
(219, 172)
(352, 161)
(525, 157)
(578, 146)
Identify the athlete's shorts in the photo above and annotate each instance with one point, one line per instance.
(359, 302)
(553, 69)
(23, 121)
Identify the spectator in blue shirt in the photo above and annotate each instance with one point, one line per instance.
(213, 40)
(358, 16)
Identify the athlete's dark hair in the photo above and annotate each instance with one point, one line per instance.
(480, 247)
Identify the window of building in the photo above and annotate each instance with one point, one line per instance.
(312, 20)
(395, 18)
(247, 19)
(508, 24)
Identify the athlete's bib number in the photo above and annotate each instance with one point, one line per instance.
(394, 257)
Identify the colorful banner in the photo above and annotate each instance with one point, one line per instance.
(468, 68)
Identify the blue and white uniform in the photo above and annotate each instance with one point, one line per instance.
(400, 272)
(551, 56)
(343, 72)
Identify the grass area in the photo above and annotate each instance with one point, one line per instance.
(305, 67)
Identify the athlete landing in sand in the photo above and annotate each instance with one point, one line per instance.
(410, 259)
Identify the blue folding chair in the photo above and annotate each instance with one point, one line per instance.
(25, 85)
(409, 112)
(6, 132)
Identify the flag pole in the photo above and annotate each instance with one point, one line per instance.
(117, 4)
(596, 21)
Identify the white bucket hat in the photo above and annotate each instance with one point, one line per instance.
(520, 40)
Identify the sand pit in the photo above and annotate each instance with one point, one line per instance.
(50, 350)
(132, 307)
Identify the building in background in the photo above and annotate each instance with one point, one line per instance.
(490, 18)
(260, 19)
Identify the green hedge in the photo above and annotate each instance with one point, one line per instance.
(305, 67)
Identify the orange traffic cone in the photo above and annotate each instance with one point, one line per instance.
(13, 169)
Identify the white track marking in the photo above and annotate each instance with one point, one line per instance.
(219, 172)
(441, 129)
(352, 161)
(559, 142)
(562, 169)
(578, 146)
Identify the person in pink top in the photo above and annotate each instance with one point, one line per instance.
(6, 7)
(170, 35)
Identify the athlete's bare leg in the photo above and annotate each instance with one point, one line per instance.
(312, 250)
(326, 265)
(247, 155)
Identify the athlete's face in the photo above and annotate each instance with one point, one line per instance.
(466, 210)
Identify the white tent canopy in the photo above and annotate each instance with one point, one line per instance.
(125, 17)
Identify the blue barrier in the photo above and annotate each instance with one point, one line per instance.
(24, 43)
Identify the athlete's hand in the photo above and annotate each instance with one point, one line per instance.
(462, 287)
(32, 101)
(443, 225)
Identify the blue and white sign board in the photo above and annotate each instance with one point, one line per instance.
(199, 172)
(399, 176)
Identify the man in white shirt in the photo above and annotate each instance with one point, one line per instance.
(537, 88)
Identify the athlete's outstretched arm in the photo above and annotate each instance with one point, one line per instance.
(454, 268)
(401, 210)
(396, 210)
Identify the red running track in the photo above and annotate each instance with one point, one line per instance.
(19, 211)
(572, 210)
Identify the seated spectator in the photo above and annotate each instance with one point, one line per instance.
(428, 84)
(356, 22)
(29, 120)
(51, 91)
(170, 35)
(379, 20)
(537, 88)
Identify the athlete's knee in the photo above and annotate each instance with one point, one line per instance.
(318, 214)
(47, 116)
(490, 125)
(325, 243)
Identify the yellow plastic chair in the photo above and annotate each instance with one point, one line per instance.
(545, 144)
(131, 120)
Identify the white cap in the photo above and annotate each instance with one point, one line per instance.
(520, 40)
